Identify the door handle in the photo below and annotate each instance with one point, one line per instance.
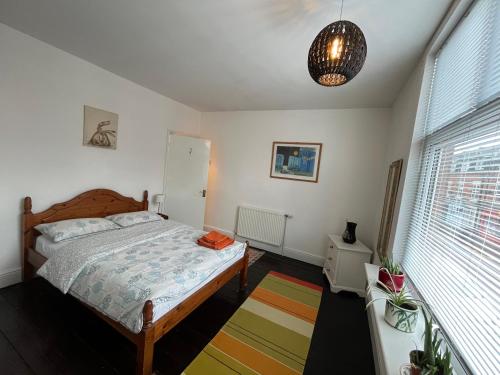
(204, 193)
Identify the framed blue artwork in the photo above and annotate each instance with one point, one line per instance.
(296, 161)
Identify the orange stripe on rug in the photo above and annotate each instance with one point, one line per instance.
(270, 334)
(249, 356)
(285, 304)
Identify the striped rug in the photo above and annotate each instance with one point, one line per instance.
(269, 334)
(254, 255)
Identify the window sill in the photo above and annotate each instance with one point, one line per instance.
(391, 348)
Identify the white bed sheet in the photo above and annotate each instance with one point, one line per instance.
(47, 248)
(162, 309)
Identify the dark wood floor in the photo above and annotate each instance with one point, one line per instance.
(38, 334)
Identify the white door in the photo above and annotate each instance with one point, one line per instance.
(186, 178)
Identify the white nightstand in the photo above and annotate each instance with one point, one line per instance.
(344, 265)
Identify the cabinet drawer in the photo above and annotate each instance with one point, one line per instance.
(330, 270)
(331, 254)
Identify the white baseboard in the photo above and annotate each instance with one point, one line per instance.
(304, 256)
(10, 277)
(288, 251)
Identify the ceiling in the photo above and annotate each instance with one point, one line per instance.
(224, 55)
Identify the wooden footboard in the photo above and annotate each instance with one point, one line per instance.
(104, 202)
(152, 332)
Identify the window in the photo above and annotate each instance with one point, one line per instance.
(452, 253)
(476, 189)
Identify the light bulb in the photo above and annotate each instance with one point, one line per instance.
(336, 50)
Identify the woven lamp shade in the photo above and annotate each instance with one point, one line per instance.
(337, 54)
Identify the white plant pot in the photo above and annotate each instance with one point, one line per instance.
(402, 319)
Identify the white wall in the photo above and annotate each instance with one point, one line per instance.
(351, 175)
(400, 136)
(42, 93)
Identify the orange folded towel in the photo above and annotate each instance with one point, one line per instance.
(218, 246)
(214, 237)
(215, 241)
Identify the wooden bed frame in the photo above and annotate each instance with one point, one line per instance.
(101, 203)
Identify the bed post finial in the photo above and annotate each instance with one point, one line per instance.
(27, 239)
(27, 205)
(147, 314)
(244, 268)
(145, 202)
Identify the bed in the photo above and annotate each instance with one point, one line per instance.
(147, 319)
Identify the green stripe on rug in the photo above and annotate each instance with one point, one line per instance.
(218, 363)
(290, 283)
(292, 291)
(279, 350)
(285, 338)
(278, 317)
(261, 338)
(268, 348)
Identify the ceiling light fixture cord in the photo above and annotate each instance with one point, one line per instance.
(341, 9)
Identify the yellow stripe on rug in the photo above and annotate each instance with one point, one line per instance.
(279, 317)
(269, 334)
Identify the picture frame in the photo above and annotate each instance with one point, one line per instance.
(391, 193)
(299, 161)
(100, 128)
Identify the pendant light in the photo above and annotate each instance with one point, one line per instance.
(337, 53)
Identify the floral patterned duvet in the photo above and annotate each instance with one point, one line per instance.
(117, 271)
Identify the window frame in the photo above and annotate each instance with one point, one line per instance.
(458, 11)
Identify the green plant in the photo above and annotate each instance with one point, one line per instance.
(433, 361)
(430, 342)
(400, 298)
(401, 310)
(417, 358)
(443, 363)
(392, 267)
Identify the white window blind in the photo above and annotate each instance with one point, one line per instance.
(452, 252)
(491, 80)
(458, 67)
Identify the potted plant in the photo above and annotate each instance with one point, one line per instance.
(401, 309)
(390, 274)
(430, 361)
(417, 362)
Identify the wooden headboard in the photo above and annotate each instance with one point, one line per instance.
(92, 203)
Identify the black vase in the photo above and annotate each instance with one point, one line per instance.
(349, 235)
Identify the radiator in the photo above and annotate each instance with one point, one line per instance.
(261, 225)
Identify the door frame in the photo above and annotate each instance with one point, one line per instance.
(165, 164)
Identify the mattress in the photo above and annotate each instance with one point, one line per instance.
(117, 271)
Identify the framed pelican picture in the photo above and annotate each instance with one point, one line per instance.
(296, 161)
(100, 128)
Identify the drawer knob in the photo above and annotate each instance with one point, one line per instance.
(330, 258)
(331, 246)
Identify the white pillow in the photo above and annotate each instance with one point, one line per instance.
(45, 246)
(131, 218)
(64, 229)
